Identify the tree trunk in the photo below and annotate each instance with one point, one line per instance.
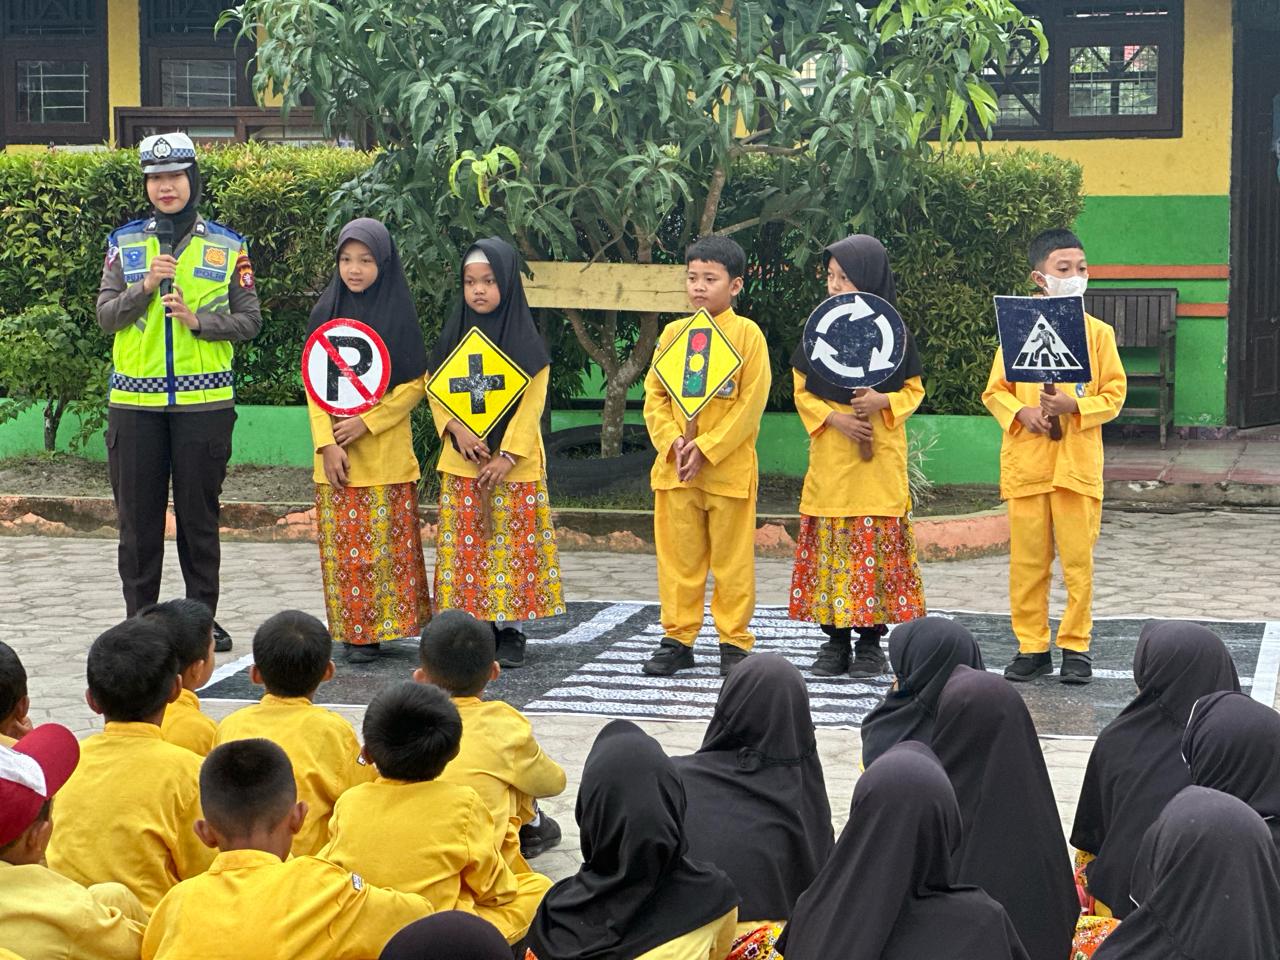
(52, 417)
(611, 423)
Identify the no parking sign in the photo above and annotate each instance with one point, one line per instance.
(345, 367)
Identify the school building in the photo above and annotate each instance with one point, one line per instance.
(1172, 108)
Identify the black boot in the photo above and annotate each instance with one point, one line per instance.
(833, 656)
(868, 659)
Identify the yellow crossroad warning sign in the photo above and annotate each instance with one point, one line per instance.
(697, 363)
(477, 383)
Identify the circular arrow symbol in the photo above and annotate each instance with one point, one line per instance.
(855, 340)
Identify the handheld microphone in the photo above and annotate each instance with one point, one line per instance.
(164, 233)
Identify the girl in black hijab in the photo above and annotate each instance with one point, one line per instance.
(1206, 884)
(1013, 844)
(1232, 744)
(758, 805)
(1136, 765)
(855, 567)
(496, 555)
(923, 654)
(890, 891)
(449, 935)
(637, 888)
(366, 474)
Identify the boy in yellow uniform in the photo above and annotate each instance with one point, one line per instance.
(15, 705)
(189, 624)
(499, 757)
(704, 488)
(1054, 487)
(291, 659)
(255, 903)
(410, 830)
(128, 812)
(47, 915)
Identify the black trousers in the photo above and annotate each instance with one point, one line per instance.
(144, 449)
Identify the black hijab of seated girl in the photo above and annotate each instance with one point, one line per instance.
(449, 935)
(758, 806)
(923, 653)
(1232, 744)
(637, 888)
(1136, 765)
(1205, 883)
(889, 891)
(865, 262)
(386, 306)
(1013, 847)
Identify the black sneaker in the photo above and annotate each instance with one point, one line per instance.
(868, 662)
(361, 652)
(1076, 667)
(511, 643)
(537, 840)
(730, 657)
(221, 639)
(832, 660)
(671, 655)
(1028, 666)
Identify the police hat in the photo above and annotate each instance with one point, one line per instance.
(166, 153)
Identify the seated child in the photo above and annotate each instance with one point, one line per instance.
(499, 758)
(189, 624)
(48, 916)
(255, 903)
(409, 830)
(14, 702)
(291, 659)
(127, 813)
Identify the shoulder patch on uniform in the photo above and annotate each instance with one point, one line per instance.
(244, 272)
(214, 227)
(357, 882)
(133, 226)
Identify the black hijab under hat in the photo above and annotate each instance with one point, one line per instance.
(449, 935)
(1136, 765)
(386, 305)
(510, 325)
(889, 891)
(1207, 882)
(923, 653)
(758, 805)
(1013, 844)
(637, 888)
(865, 262)
(1232, 744)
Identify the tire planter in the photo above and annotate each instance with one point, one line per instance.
(584, 476)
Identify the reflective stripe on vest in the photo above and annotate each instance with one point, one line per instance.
(157, 361)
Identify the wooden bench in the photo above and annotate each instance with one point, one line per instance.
(1143, 318)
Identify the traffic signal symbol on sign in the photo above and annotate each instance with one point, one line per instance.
(696, 364)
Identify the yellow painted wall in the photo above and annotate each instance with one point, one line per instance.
(124, 58)
(1199, 162)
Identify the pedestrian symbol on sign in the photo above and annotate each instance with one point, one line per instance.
(1044, 350)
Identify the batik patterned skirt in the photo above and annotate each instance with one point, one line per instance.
(856, 572)
(375, 578)
(514, 573)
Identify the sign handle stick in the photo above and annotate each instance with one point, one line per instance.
(865, 448)
(1055, 423)
(486, 515)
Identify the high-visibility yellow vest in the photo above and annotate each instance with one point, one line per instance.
(157, 361)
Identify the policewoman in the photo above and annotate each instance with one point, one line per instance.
(177, 292)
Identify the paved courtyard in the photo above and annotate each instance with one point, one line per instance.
(64, 592)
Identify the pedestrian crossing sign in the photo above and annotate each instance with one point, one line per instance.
(1043, 339)
(477, 383)
(697, 364)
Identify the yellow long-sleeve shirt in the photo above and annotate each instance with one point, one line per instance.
(522, 438)
(727, 426)
(1032, 463)
(711, 941)
(320, 744)
(49, 917)
(839, 483)
(251, 905)
(436, 839)
(128, 814)
(502, 761)
(383, 455)
(185, 726)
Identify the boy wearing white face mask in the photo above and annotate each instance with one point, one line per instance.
(1054, 487)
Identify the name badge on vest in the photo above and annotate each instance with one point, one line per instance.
(133, 260)
(213, 264)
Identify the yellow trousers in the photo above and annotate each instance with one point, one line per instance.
(1037, 523)
(695, 531)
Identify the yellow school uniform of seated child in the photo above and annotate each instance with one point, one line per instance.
(185, 726)
(322, 747)
(1054, 492)
(52, 918)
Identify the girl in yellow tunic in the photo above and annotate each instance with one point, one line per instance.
(496, 555)
(375, 578)
(855, 567)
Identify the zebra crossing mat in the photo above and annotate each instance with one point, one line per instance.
(587, 663)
